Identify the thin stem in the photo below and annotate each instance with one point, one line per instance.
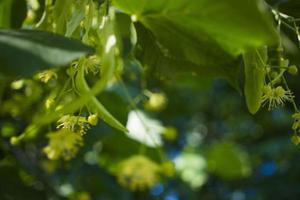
(277, 77)
(288, 26)
(264, 64)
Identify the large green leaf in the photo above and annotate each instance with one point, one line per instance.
(202, 31)
(26, 51)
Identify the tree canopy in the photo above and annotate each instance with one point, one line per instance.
(149, 99)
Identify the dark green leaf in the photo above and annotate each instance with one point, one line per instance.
(26, 51)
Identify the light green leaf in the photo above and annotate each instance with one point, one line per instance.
(254, 61)
(26, 51)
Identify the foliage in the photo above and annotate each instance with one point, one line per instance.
(147, 98)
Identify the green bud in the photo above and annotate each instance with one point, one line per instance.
(293, 70)
(93, 119)
(156, 102)
(14, 141)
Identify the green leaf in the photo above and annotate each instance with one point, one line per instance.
(254, 61)
(153, 56)
(26, 51)
(202, 31)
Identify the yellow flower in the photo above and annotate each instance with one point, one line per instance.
(138, 173)
(275, 97)
(63, 144)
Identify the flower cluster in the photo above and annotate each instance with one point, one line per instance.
(63, 144)
(138, 173)
(275, 97)
(77, 123)
(73, 123)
